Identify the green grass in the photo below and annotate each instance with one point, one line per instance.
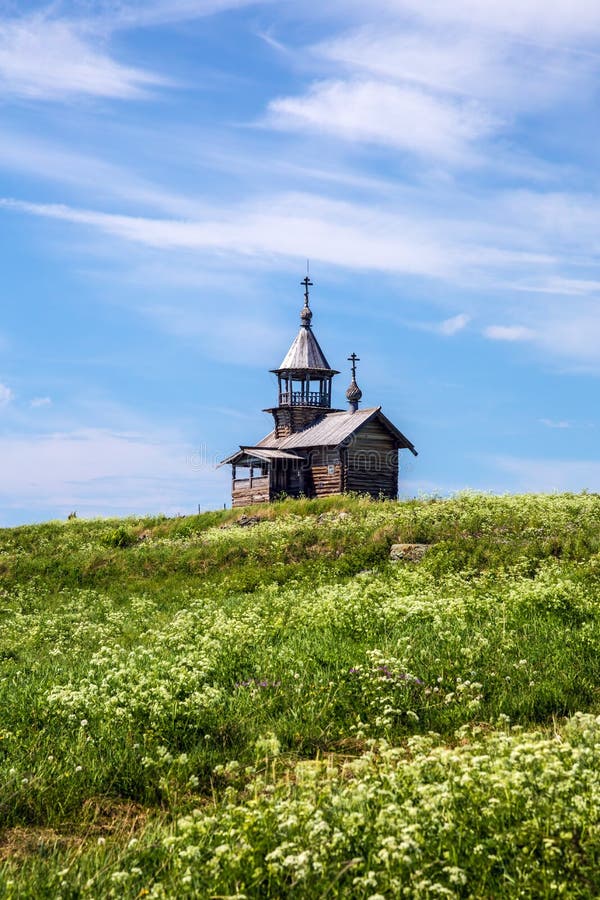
(193, 708)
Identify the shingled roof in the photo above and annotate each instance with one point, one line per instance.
(305, 354)
(331, 429)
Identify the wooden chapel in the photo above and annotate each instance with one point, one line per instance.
(315, 450)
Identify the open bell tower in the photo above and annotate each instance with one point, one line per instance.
(304, 378)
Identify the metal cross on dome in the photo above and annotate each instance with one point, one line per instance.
(307, 283)
(353, 358)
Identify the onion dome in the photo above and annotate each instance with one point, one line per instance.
(306, 315)
(354, 393)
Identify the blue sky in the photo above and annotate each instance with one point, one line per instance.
(166, 169)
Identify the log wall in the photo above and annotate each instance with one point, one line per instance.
(371, 462)
(327, 479)
(290, 419)
(243, 493)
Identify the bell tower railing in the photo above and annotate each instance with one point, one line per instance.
(304, 398)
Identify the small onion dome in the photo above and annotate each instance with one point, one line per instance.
(306, 315)
(354, 393)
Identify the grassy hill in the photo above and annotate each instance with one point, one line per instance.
(197, 707)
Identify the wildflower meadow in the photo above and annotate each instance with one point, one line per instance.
(196, 707)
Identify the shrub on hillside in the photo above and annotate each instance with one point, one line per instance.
(121, 537)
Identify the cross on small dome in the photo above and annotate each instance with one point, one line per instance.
(306, 312)
(354, 393)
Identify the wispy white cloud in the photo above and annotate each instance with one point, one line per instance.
(571, 219)
(274, 229)
(569, 336)
(94, 176)
(399, 116)
(508, 333)
(451, 63)
(559, 286)
(555, 423)
(53, 55)
(52, 58)
(289, 226)
(447, 327)
(561, 20)
(466, 63)
(148, 13)
(453, 325)
(304, 225)
(98, 179)
(100, 472)
(274, 43)
(413, 71)
(6, 395)
(38, 402)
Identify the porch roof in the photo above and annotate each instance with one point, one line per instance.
(264, 453)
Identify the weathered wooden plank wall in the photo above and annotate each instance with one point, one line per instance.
(243, 494)
(327, 479)
(372, 462)
(290, 419)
